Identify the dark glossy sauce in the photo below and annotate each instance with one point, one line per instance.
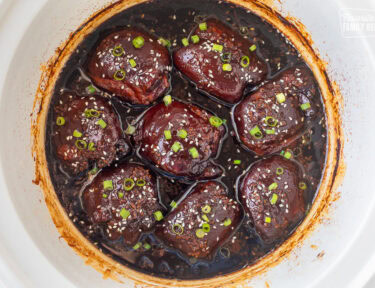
(173, 19)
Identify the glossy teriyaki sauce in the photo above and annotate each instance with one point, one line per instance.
(174, 19)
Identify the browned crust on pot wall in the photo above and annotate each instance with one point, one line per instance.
(327, 194)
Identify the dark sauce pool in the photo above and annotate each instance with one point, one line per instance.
(173, 19)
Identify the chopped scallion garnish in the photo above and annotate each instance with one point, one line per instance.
(81, 144)
(203, 26)
(216, 121)
(60, 121)
(138, 42)
(279, 171)
(206, 209)
(302, 185)
(270, 121)
(120, 195)
(256, 133)
(173, 204)
(124, 213)
(119, 75)
(274, 199)
(90, 89)
(182, 133)
(130, 130)
(177, 229)
(217, 47)
(92, 113)
(305, 106)
(77, 134)
(206, 227)
(101, 123)
(91, 146)
(194, 152)
(158, 216)
(185, 42)
(128, 184)
(167, 99)
(167, 134)
(140, 182)
(267, 219)
(245, 61)
(195, 39)
(132, 63)
(107, 185)
(205, 218)
(165, 42)
(236, 162)
(118, 51)
(176, 147)
(104, 195)
(137, 246)
(253, 48)
(227, 67)
(227, 222)
(280, 97)
(147, 246)
(287, 154)
(200, 233)
(273, 186)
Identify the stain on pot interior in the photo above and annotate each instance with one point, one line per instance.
(113, 269)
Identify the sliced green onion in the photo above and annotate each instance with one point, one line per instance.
(91, 146)
(119, 75)
(104, 195)
(165, 42)
(267, 219)
(206, 209)
(206, 227)
(236, 162)
(226, 57)
(132, 63)
(227, 67)
(195, 39)
(256, 133)
(60, 121)
(124, 213)
(245, 61)
(128, 184)
(140, 182)
(227, 222)
(108, 185)
(158, 216)
(280, 97)
(253, 48)
(137, 246)
(270, 121)
(147, 246)
(173, 204)
(118, 51)
(274, 199)
(77, 134)
(93, 171)
(199, 233)
(176, 147)
(194, 152)
(130, 130)
(177, 229)
(167, 99)
(182, 133)
(90, 89)
(92, 113)
(120, 195)
(203, 26)
(81, 144)
(185, 42)
(270, 131)
(138, 42)
(101, 123)
(167, 134)
(273, 186)
(287, 154)
(217, 47)
(305, 106)
(205, 218)
(279, 171)
(302, 185)
(216, 121)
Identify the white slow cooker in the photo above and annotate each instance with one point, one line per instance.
(340, 252)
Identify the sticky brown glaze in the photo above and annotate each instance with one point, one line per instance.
(141, 84)
(201, 135)
(188, 215)
(96, 146)
(273, 215)
(204, 66)
(109, 206)
(297, 85)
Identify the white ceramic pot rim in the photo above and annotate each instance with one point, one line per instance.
(28, 260)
